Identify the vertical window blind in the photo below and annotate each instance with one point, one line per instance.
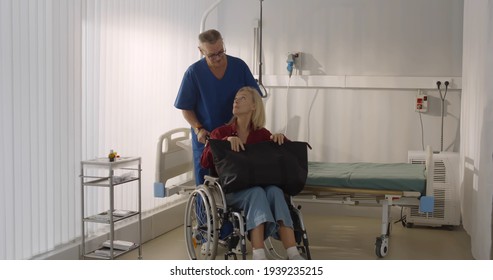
(40, 62)
(78, 78)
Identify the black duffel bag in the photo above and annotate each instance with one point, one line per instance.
(261, 164)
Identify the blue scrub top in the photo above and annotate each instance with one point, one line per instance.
(210, 98)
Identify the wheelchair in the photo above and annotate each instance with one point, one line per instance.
(212, 228)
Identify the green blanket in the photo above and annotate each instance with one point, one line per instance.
(375, 176)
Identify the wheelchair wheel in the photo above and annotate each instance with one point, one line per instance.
(240, 234)
(300, 232)
(274, 247)
(201, 234)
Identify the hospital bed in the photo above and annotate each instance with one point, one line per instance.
(358, 184)
(370, 184)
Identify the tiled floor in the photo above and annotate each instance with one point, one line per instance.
(340, 237)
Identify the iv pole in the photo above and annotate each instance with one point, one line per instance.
(261, 85)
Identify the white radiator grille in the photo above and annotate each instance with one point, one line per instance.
(438, 209)
(446, 210)
(439, 175)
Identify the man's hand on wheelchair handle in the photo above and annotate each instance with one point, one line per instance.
(203, 135)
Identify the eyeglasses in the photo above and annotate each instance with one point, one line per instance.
(216, 55)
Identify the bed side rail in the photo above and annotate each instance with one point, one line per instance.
(172, 161)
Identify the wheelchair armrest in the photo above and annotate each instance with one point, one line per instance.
(211, 179)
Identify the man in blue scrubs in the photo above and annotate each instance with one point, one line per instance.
(207, 91)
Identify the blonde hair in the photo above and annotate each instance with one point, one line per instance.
(258, 115)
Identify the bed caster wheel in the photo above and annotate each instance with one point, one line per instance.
(381, 247)
(410, 225)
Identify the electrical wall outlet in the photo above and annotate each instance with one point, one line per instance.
(421, 104)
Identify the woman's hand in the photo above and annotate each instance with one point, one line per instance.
(236, 143)
(277, 138)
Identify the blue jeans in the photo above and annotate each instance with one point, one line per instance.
(262, 205)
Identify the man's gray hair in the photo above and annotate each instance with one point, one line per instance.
(210, 36)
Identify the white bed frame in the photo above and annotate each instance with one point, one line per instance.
(366, 197)
(174, 166)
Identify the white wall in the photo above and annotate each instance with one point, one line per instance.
(355, 38)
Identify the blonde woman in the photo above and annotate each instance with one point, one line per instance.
(266, 211)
